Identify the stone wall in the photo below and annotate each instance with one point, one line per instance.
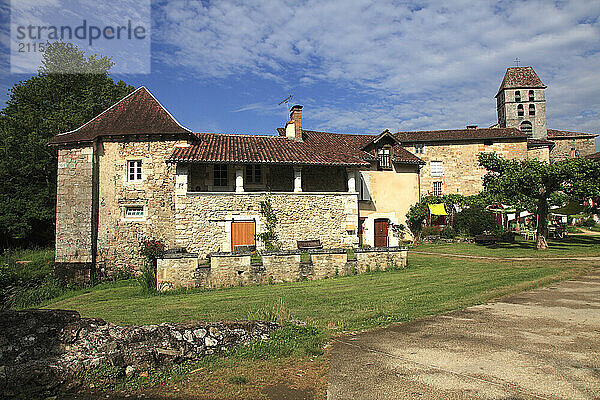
(462, 173)
(564, 148)
(539, 153)
(203, 220)
(119, 237)
(235, 269)
(74, 212)
(41, 349)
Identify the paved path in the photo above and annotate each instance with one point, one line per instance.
(541, 344)
(572, 258)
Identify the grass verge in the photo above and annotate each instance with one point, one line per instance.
(570, 246)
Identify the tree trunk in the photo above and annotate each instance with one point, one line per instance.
(542, 226)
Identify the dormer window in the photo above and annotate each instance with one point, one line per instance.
(531, 95)
(531, 109)
(518, 96)
(520, 111)
(384, 158)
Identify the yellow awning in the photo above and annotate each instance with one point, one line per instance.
(437, 209)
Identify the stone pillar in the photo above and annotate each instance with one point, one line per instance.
(297, 179)
(181, 179)
(351, 180)
(239, 179)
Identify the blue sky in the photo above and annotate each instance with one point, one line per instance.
(360, 66)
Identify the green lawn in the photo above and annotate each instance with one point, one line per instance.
(572, 245)
(429, 285)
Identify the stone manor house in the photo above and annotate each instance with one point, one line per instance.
(134, 172)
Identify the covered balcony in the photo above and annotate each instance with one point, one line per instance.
(248, 178)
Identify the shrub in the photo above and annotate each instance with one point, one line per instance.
(431, 231)
(475, 221)
(147, 279)
(152, 249)
(587, 222)
(448, 232)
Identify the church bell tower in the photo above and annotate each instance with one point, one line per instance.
(521, 102)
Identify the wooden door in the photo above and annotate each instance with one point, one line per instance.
(381, 233)
(242, 233)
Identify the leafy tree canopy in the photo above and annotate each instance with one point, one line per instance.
(39, 108)
(533, 185)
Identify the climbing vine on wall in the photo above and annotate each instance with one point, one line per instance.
(269, 236)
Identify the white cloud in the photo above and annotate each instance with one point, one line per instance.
(410, 66)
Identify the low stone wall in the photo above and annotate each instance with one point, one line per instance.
(236, 269)
(42, 349)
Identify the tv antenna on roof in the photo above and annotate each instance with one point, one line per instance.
(287, 102)
(517, 61)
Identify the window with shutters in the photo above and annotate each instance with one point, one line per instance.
(384, 158)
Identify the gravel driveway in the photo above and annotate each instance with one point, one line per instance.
(541, 344)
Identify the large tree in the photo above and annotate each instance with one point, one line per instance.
(68, 90)
(531, 185)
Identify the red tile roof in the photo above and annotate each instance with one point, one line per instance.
(316, 148)
(556, 134)
(138, 113)
(459, 135)
(520, 77)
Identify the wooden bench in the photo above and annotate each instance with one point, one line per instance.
(309, 244)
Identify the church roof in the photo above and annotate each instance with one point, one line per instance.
(555, 134)
(520, 77)
(451, 135)
(138, 113)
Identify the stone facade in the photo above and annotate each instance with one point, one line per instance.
(539, 153)
(565, 148)
(235, 269)
(119, 237)
(508, 104)
(74, 209)
(203, 220)
(461, 171)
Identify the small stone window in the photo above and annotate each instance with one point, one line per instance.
(253, 174)
(437, 168)
(419, 148)
(134, 212)
(518, 96)
(531, 96)
(520, 111)
(134, 170)
(220, 175)
(438, 188)
(531, 109)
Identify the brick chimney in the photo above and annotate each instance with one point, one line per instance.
(293, 129)
(471, 126)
